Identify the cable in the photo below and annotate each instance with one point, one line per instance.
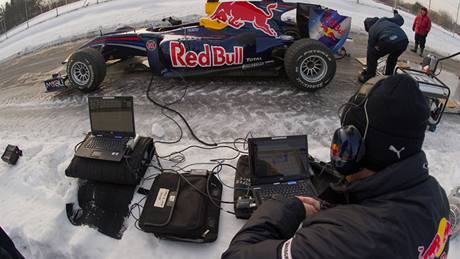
(182, 168)
(172, 119)
(440, 70)
(227, 159)
(178, 126)
(243, 141)
(77, 146)
(207, 194)
(139, 207)
(176, 112)
(199, 147)
(217, 173)
(177, 157)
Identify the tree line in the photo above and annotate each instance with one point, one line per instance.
(15, 12)
(442, 18)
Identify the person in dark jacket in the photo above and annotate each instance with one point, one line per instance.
(421, 27)
(388, 206)
(385, 38)
(7, 248)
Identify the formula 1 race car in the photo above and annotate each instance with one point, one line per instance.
(235, 37)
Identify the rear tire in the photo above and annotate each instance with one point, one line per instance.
(86, 69)
(309, 64)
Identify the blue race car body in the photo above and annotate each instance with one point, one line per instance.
(234, 36)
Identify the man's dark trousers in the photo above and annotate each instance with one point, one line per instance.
(420, 40)
(393, 49)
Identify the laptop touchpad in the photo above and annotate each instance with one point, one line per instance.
(96, 153)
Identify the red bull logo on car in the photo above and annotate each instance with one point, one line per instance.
(211, 56)
(329, 27)
(437, 247)
(237, 14)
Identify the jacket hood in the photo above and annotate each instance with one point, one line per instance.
(398, 19)
(396, 177)
(424, 9)
(369, 22)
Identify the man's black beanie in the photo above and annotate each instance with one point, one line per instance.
(398, 114)
(369, 22)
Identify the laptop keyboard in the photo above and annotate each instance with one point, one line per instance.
(106, 144)
(286, 190)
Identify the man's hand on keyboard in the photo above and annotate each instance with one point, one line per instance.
(311, 205)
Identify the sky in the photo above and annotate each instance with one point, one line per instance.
(447, 5)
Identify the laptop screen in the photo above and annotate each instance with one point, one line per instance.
(279, 159)
(112, 115)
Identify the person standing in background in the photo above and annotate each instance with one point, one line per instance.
(421, 27)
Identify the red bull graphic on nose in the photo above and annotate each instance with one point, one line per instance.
(211, 56)
(438, 246)
(237, 14)
(329, 27)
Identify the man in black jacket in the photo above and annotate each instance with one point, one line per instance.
(390, 207)
(7, 248)
(385, 37)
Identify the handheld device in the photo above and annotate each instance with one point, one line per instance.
(11, 154)
(242, 195)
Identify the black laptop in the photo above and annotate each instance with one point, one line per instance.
(112, 126)
(279, 166)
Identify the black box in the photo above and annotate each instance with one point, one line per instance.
(11, 154)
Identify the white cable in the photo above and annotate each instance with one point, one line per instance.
(367, 120)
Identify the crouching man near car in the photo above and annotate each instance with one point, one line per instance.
(388, 205)
(385, 38)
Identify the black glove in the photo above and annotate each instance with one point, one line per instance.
(395, 11)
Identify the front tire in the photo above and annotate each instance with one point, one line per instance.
(86, 69)
(309, 64)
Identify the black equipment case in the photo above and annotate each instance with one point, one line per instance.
(179, 207)
(129, 171)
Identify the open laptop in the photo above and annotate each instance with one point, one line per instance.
(112, 126)
(279, 166)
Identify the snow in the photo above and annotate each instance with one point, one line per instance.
(81, 22)
(48, 16)
(35, 190)
(90, 20)
(439, 39)
(33, 193)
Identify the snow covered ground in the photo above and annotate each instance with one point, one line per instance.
(47, 126)
(109, 15)
(48, 16)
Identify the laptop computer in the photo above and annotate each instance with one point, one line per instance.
(112, 126)
(279, 166)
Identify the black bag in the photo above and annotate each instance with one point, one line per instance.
(129, 170)
(176, 210)
(103, 206)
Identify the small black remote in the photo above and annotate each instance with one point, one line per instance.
(242, 193)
